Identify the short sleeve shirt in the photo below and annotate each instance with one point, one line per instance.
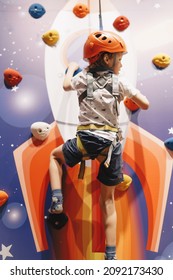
(102, 109)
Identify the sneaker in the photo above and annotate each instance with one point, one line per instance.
(56, 205)
(111, 258)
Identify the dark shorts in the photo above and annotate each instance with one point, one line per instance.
(94, 145)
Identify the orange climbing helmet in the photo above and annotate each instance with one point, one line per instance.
(102, 41)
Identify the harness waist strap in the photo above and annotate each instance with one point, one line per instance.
(97, 127)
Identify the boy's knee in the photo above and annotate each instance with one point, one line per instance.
(57, 155)
(52, 154)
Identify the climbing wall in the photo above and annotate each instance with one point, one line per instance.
(33, 63)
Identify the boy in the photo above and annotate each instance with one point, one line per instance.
(100, 92)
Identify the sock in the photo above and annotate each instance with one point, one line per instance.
(110, 252)
(58, 193)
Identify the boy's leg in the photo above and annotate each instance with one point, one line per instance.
(107, 205)
(55, 171)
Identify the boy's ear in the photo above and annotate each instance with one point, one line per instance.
(106, 58)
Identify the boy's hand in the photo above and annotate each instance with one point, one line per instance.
(73, 66)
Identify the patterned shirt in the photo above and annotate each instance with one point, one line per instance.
(102, 109)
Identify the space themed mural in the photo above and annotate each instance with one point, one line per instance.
(38, 40)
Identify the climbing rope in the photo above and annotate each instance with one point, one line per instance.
(100, 16)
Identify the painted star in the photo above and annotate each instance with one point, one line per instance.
(170, 130)
(5, 252)
(15, 88)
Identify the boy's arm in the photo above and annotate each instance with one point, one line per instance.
(141, 101)
(72, 67)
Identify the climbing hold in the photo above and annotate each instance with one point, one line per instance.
(169, 143)
(3, 197)
(40, 130)
(57, 220)
(161, 60)
(76, 72)
(36, 10)
(80, 10)
(132, 106)
(121, 23)
(51, 37)
(11, 78)
(123, 186)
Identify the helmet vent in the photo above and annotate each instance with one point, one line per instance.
(98, 35)
(104, 38)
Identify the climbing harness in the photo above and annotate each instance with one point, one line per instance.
(107, 80)
(105, 155)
